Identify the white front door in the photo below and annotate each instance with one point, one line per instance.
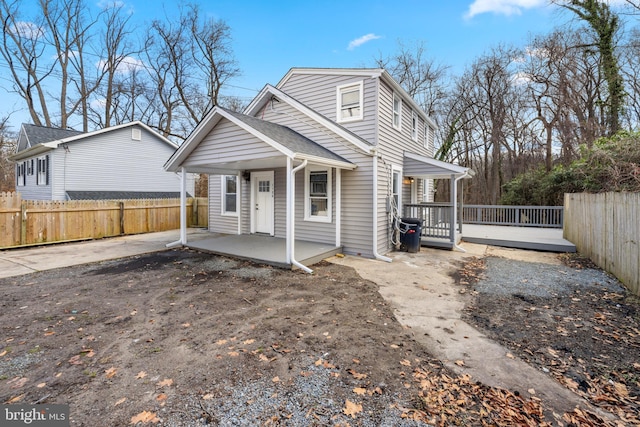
(262, 214)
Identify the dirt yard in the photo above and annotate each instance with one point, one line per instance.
(181, 338)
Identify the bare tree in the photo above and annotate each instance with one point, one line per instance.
(8, 143)
(423, 78)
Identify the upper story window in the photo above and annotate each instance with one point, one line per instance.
(414, 126)
(350, 102)
(230, 195)
(21, 176)
(42, 170)
(397, 112)
(317, 191)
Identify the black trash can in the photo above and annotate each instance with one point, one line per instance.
(410, 230)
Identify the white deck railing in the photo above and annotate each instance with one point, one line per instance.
(436, 219)
(519, 216)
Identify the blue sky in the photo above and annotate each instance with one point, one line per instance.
(271, 37)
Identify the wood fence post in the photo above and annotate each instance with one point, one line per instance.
(121, 218)
(23, 222)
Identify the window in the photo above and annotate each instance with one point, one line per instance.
(20, 174)
(42, 170)
(230, 195)
(396, 188)
(349, 102)
(318, 195)
(397, 112)
(414, 126)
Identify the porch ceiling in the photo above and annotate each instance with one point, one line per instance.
(424, 167)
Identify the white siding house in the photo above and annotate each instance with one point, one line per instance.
(320, 157)
(119, 162)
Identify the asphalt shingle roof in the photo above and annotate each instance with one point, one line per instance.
(288, 137)
(41, 134)
(122, 195)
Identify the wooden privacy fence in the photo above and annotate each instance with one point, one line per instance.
(605, 227)
(31, 222)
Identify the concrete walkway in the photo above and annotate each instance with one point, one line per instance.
(15, 262)
(426, 299)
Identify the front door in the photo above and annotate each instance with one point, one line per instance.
(262, 218)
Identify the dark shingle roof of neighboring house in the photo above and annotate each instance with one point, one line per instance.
(288, 137)
(122, 195)
(41, 134)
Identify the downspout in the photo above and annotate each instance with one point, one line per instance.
(455, 210)
(183, 211)
(375, 209)
(291, 235)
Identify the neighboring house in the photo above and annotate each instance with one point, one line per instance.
(327, 155)
(119, 162)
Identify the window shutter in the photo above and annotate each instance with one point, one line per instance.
(47, 168)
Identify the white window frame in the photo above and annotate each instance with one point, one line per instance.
(359, 86)
(414, 126)
(396, 115)
(41, 171)
(396, 193)
(223, 195)
(20, 174)
(308, 215)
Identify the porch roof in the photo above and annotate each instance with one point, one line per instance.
(424, 167)
(286, 142)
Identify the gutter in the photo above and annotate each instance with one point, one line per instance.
(375, 209)
(292, 216)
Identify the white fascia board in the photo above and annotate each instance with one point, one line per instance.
(356, 72)
(311, 114)
(326, 162)
(449, 167)
(192, 141)
(396, 86)
(34, 151)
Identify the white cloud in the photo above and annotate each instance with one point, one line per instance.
(505, 7)
(109, 4)
(126, 65)
(28, 30)
(362, 40)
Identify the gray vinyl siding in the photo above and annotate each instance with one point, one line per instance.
(227, 142)
(112, 161)
(32, 190)
(319, 92)
(357, 235)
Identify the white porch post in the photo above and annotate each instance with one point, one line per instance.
(338, 206)
(454, 201)
(289, 205)
(183, 206)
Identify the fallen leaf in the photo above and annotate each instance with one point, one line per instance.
(394, 346)
(134, 312)
(459, 362)
(275, 379)
(531, 391)
(145, 417)
(221, 342)
(247, 342)
(167, 382)
(351, 409)
(41, 385)
(141, 375)
(263, 358)
(49, 333)
(186, 325)
(111, 372)
(233, 354)
(3, 353)
(405, 362)
(356, 361)
(207, 396)
(75, 360)
(120, 401)
(359, 391)
(161, 397)
(16, 398)
(357, 375)
(621, 389)
(599, 316)
(510, 356)
(17, 382)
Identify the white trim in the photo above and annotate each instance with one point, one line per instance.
(223, 194)
(395, 113)
(414, 125)
(254, 190)
(359, 86)
(395, 169)
(307, 196)
(338, 207)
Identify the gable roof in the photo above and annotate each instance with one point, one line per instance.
(287, 141)
(67, 136)
(362, 72)
(269, 91)
(417, 165)
(35, 134)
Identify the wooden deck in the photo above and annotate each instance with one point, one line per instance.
(264, 249)
(540, 239)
